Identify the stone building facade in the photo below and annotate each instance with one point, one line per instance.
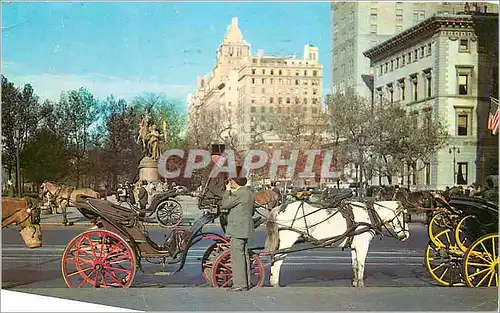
(243, 89)
(358, 26)
(447, 64)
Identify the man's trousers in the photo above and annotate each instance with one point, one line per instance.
(240, 263)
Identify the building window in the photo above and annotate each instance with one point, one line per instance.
(262, 109)
(288, 100)
(280, 72)
(263, 80)
(428, 82)
(399, 15)
(399, 28)
(271, 100)
(409, 57)
(464, 45)
(391, 93)
(415, 58)
(427, 173)
(263, 72)
(462, 124)
(315, 91)
(415, 17)
(402, 90)
(463, 84)
(280, 100)
(305, 72)
(315, 73)
(462, 173)
(422, 52)
(373, 29)
(252, 109)
(296, 82)
(272, 72)
(253, 80)
(373, 16)
(429, 49)
(305, 100)
(414, 81)
(392, 65)
(253, 71)
(403, 59)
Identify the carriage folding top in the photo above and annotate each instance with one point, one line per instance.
(93, 209)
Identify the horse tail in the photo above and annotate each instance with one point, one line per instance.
(272, 233)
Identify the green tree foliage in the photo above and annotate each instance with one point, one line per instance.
(76, 112)
(45, 157)
(20, 110)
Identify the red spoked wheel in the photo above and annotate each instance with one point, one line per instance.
(209, 258)
(222, 275)
(98, 259)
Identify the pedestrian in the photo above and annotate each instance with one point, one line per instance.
(238, 200)
(10, 188)
(143, 195)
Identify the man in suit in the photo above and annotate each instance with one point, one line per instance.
(238, 200)
(143, 195)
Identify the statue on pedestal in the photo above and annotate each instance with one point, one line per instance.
(150, 137)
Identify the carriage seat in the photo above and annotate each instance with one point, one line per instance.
(113, 212)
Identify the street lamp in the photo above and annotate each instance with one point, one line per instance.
(455, 151)
(18, 179)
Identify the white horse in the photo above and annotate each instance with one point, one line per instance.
(286, 225)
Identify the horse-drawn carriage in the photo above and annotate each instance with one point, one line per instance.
(463, 243)
(108, 254)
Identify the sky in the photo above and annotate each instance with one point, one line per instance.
(127, 48)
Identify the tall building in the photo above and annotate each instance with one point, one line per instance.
(446, 64)
(243, 89)
(358, 26)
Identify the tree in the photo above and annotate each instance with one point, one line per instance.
(297, 124)
(45, 157)
(76, 112)
(383, 138)
(20, 110)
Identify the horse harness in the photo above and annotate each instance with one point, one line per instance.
(35, 219)
(347, 213)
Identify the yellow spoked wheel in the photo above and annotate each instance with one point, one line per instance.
(462, 236)
(481, 262)
(437, 224)
(444, 259)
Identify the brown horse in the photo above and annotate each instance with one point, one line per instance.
(64, 196)
(21, 211)
(267, 198)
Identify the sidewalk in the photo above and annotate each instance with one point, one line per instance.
(286, 298)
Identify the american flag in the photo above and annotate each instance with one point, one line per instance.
(493, 119)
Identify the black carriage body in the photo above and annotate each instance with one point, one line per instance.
(485, 214)
(159, 198)
(125, 222)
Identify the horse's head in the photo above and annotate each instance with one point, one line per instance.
(24, 213)
(395, 217)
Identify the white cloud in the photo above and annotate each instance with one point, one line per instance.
(50, 86)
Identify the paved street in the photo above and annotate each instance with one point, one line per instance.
(395, 278)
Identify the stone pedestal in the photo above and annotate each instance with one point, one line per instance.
(148, 170)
